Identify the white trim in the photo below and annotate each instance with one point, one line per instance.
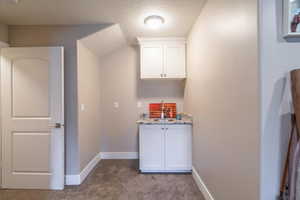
(77, 179)
(73, 179)
(2, 45)
(89, 167)
(201, 185)
(56, 55)
(119, 155)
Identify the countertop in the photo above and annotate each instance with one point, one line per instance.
(184, 120)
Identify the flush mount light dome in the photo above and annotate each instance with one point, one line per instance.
(154, 21)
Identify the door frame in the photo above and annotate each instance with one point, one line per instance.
(2, 45)
(59, 151)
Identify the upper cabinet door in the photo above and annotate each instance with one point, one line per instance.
(152, 61)
(163, 58)
(175, 66)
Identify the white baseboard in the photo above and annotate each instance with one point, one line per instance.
(73, 179)
(119, 155)
(90, 166)
(201, 185)
(77, 179)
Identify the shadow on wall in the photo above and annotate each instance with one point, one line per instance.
(278, 122)
(282, 89)
(285, 132)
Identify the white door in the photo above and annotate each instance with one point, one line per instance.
(152, 61)
(32, 118)
(151, 147)
(175, 63)
(178, 147)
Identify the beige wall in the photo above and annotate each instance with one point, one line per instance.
(222, 93)
(120, 83)
(3, 33)
(21, 36)
(89, 96)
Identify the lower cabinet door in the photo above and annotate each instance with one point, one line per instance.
(151, 148)
(178, 148)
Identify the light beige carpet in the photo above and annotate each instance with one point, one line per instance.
(118, 180)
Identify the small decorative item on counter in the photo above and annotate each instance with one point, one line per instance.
(179, 117)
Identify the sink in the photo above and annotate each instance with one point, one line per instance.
(163, 120)
(171, 120)
(158, 120)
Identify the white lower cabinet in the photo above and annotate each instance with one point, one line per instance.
(151, 147)
(165, 148)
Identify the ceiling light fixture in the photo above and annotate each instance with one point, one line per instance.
(154, 21)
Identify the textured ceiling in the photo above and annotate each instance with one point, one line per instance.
(179, 14)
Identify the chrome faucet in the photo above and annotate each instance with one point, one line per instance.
(162, 114)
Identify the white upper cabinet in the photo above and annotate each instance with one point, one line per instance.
(152, 61)
(163, 58)
(174, 57)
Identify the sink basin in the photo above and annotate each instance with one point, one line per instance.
(163, 120)
(158, 120)
(171, 120)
